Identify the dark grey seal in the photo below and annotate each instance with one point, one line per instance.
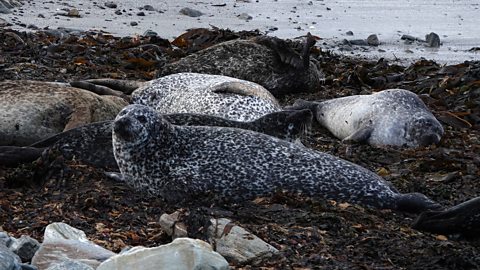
(269, 61)
(92, 143)
(390, 117)
(182, 162)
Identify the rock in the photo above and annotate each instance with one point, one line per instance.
(408, 37)
(4, 9)
(245, 16)
(182, 253)
(8, 259)
(433, 40)
(191, 12)
(148, 8)
(359, 42)
(141, 13)
(111, 4)
(150, 33)
(25, 247)
(70, 265)
(133, 23)
(73, 13)
(118, 12)
(171, 226)
(62, 231)
(53, 252)
(237, 244)
(372, 40)
(349, 33)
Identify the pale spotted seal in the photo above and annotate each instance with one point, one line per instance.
(33, 110)
(215, 95)
(181, 162)
(390, 117)
(268, 61)
(92, 143)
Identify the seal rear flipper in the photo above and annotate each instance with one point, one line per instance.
(463, 219)
(289, 125)
(360, 135)
(243, 88)
(286, 54)
(415, 203)
(125, 86)
(15, 155)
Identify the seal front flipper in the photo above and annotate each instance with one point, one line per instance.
(360, 135)
(243, 88)
(463, 219)
(125, 86)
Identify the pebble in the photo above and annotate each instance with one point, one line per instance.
(245, 16)
(150, 33)
(349, 33)
(141, 13)
(133, 23)
(191, 12)
(148, 8)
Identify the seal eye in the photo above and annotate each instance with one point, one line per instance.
(142, 119)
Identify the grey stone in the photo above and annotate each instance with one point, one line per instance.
(191, 12)
(245, 16)
(349, 33)
(433, 40)
(182, 253)
(372, 40)
(5, 239)
(148, 8)
(141, 13)
(25, 247)
(133, 23)
(8, 259)
(60, 230)
(70, 265)
(111, 4)
(150, 33)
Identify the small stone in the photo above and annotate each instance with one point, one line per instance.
(150, 33)
(372, 40)
(359, 42)
(133, 23)
(73, 13)
(245, 16)
(25, 247)
(118, 12)
(408, 37)
(433, 40)
(349, 33)
(41, 16)
(148, 8)
(141, 13)
(191, 12)
(111, 4)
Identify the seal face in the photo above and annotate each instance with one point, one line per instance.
(178, 162)
(92, 143)
(31, 110)
(215, 95)
(268, 61)
(390, 117)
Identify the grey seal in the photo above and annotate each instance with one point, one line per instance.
(185, 162)
(391, 117)
(269, 61)
(215, 95)
(92, 143)
(32, 110)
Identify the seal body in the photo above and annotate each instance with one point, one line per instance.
(92, 143)
(268, 61)
(390, 117)
(181, 162)
(33, 110)
(215, 95)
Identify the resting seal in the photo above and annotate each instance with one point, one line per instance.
(390, 117)
(181, 162)
(215, 95)
(268, 61)
(92, 143)
(31, 110)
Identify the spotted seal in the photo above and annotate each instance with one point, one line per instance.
(34, 110)
(215, 95)
(181, 162)
(92, 143)
(390, 117)
(268, 61)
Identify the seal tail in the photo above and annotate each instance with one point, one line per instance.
(461, 219)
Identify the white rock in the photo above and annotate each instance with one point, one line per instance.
(237, 244)
(182, 253)
(59, 230)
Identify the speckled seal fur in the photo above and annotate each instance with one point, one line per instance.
(268, 61)
(33, 110)
(181, 162)
(92, 143)
(215, 95)
(390, 117)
